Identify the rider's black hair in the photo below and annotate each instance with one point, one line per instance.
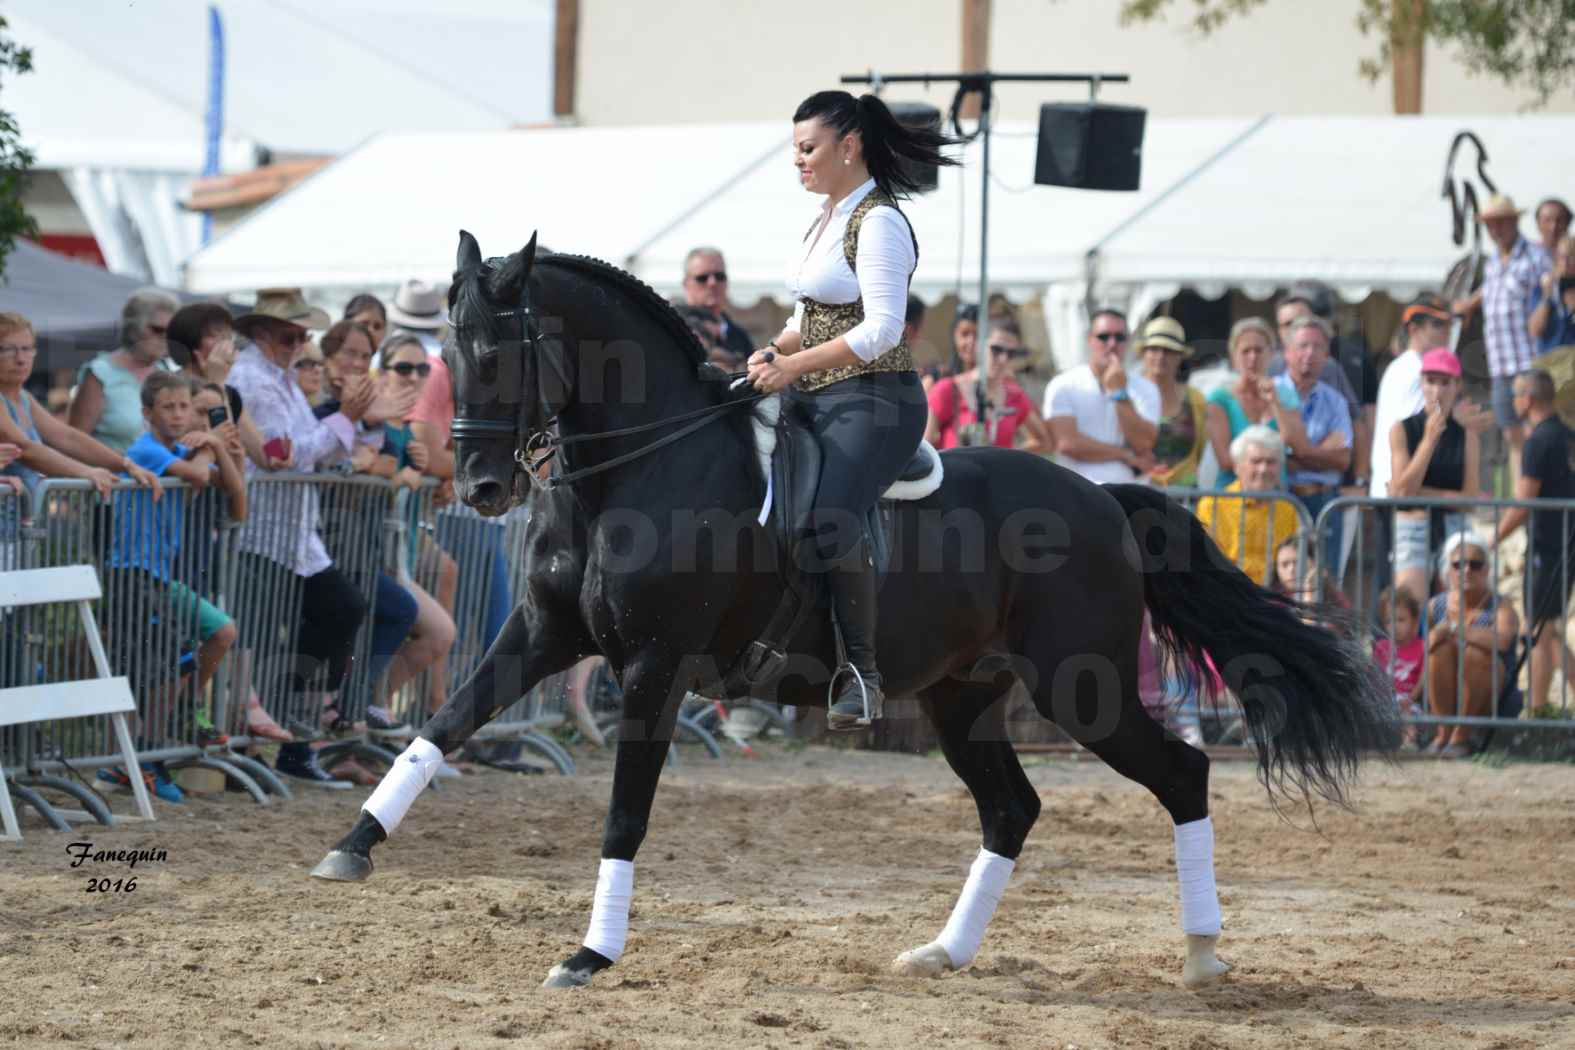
(887, 142)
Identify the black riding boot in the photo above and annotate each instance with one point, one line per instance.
(856, 694)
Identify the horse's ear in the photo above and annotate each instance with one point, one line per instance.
(469, 256)
(509, 279)
(528, 253)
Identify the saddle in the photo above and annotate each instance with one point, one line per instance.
(790, 460)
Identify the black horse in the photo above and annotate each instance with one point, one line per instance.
(647, 550)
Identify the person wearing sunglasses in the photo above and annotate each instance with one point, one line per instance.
(1468, 615)
(1103, 420)
(107, 404)
(954, 418)
(280, 537)
(705, 287)
(403, 369)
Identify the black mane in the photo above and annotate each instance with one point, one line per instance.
(659, 309)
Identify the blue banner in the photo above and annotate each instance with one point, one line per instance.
(213, 124)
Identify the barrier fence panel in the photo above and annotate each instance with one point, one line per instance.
(270, 554)
(1249, 527)
(157, 560)
(15, 669)
(355, 513)
(1490, 681)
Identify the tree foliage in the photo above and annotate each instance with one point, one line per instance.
(1525, 43)
(16, 160)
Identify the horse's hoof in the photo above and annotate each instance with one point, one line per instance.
(340, 866)
(1202, 967)
(561, 976)
(928, 961)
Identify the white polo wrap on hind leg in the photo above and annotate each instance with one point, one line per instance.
(400, 786)
(981, 893)
(610, 912)
(1200, 900)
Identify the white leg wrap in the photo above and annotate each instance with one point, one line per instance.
(610, 913)
(1200, 901)
(981, 893)
(399, 787)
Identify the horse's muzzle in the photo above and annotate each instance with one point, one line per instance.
(488, 498)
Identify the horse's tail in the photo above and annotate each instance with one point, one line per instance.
(1314, 701)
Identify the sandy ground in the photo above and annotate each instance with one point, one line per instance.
(771, 897)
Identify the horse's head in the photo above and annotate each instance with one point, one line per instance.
(510, 381)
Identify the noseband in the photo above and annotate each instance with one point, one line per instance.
(534, 448)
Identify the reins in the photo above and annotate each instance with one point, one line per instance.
(702, 417)
(541, 445)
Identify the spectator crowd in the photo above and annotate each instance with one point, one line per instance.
(1303, 416)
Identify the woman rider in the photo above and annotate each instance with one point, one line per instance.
(841, 363)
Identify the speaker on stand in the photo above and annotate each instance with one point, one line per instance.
(1090, 146)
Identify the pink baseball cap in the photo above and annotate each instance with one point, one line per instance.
(1441, 360)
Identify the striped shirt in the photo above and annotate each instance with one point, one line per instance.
(1507, 285)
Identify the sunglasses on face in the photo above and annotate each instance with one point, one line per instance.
(719, 276)
(1111, 337)
(1468, 563)
(306, 363)
(1013, 352)
(408, 368)
(291, 339)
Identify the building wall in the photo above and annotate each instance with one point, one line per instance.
(753, 59)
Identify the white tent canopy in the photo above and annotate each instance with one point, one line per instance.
(642, 197)
(1251, 204)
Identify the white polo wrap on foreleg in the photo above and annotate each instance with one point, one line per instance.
(610, 913)
(1200, 901)
(401, 785)
(981, 893)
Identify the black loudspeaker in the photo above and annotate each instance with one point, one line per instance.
(1090, 146)
(918, 115)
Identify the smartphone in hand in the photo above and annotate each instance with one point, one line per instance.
(217, 417)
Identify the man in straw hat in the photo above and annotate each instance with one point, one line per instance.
(1514, 269)
(280, 549)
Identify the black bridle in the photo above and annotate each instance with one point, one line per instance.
(534, 448)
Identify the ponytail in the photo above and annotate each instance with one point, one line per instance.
(891, 149)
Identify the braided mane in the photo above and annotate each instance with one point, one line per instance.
(655, 305)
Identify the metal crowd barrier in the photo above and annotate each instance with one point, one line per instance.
(451, 549)
(1509, 703)
(1223, 503)
(156, 560)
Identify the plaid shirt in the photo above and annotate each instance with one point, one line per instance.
(1506, 290)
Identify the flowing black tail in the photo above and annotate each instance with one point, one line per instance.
(1313, 699)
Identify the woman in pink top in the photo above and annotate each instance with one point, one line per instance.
(953, 420)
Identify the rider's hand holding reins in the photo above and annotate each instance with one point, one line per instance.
(770, 372)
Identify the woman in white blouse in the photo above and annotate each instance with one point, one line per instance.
(841, 362)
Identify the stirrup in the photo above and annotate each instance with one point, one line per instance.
(873, 704)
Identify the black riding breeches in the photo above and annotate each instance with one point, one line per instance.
(868, 428)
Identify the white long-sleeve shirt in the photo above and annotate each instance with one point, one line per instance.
(886, 260)
(282, 524)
